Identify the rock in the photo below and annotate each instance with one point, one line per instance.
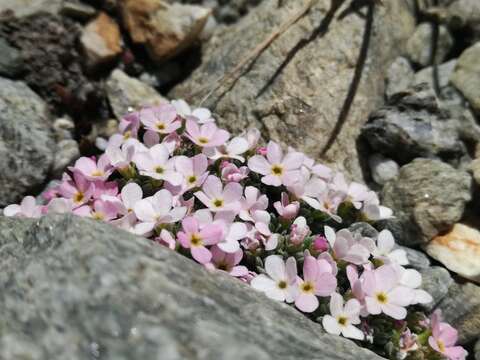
(467, 75)
(436, 281)
(459, 251)
(78, 10)
(399, 76)
(11, 63)
(75, 288)
(420, 45)
(477, 350)
(101, 41)
(25, 8)
(465, 14)
(63, 128)
(67, 152)
(475, 167)
(461, 308)
(417, 259)
(26, 141)
(125, 92)
(165, 29)
(413, 125)
(382, 168)
(442, 72)
(364, 229)
(290, 92)
(427, 198)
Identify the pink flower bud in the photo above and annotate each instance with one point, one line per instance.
(262, 151)
(320, 243)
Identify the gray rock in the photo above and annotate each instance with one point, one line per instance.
(290, 92)
(382, 169)
(427, 198)
(477, 350)
(436, 281)
(461, 308)
(465, 14)
(11, 63)
(66, 153)
(399, 76)
(436, 74)
(26, 8)
(77, 10)
(421, 44)
(75, 289)
(26, 141)
(467, 75)
(364, 229)
(475, 168)
(413, 125)
(417, 259)
(63, 128)
(125, 92)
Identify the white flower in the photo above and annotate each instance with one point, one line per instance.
(343, 318)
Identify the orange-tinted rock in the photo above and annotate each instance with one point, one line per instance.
(165, 29)
(101, 40)
(459, 251)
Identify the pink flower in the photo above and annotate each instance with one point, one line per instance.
(253, 201)
(384, 249)
(343, 318)
(155, 210)
(408, 342)
(286, 209)
(120, 157)
(202, 115)
(347, 247)
(166, 239)
(155, 163)
(27, 208)
(207, 135)
(317, 281)
(444, 338)
(280, 281)
(101, 210)
(299, 231)
(231, 150)
(219, 198)
(196, 239)
(383, 294)
(130, 195)
(93, 170)
(260, 231)
(320, 243)
(232, 173)
(277, 169)
(161, 119)
(194, 170)
(78, 189)
(227, 262)
(253, 137)
(412, 279)
(60, 206)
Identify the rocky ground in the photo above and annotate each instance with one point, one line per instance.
(387, 93)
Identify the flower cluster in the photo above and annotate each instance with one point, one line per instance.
(272, 218)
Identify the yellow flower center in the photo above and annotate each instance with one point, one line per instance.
(382, 298)
(441, 345)
(218, 203)
(98, 173)
(192, 179)
(277, 170)
(159, 170)
(161, 126)
(196, 240)
(307, 287)
(222, 266)
(127, 135)
(78, 197)
(282, 284)
(342, 320)
(203, 140)
(98, 215)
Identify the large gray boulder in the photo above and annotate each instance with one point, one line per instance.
(74, 288)
(312, 88)
(26, 141)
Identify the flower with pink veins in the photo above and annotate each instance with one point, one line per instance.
(299, 231)
(207, 135)
(347, 247)
(93, 170)
(444, 337)
(384, 294)
(27, 208)
(343, 318)
(233, 173)
(102, 189)
(318, 280)
(157, 164)
(202, 115)
(233, 232)
(194, 170)
(120, 157)
(219, 198)
(277, 169)
(78, 189)
(161, 119)
(196, 239)
(231, 150)
(354, 193)
(101, 210)
(286, 209)
(227, 262)
(155, 210)
(329, 202)
(261, 230)
(384, 249)
(254, 200)
(280, 280)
